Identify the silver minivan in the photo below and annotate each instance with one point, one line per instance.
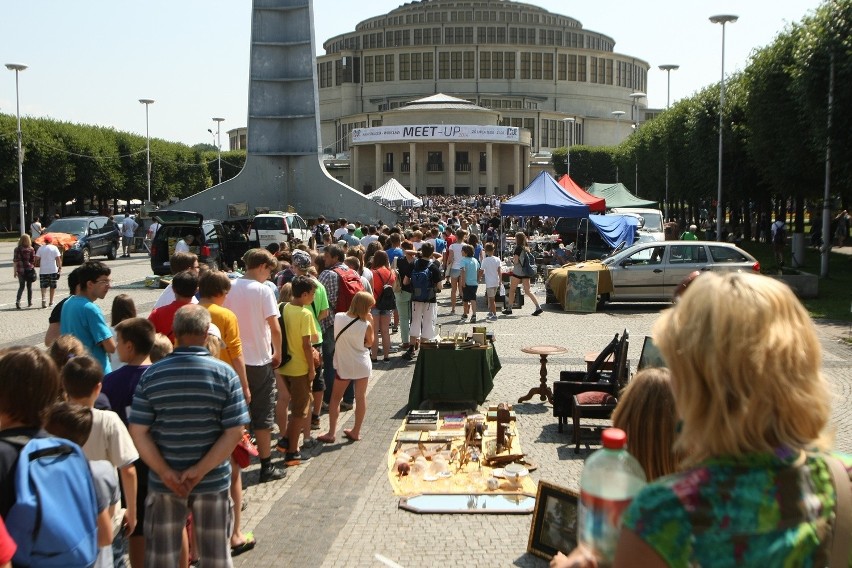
(651, 271)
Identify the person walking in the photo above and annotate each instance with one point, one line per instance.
(519, 275)
(24, 269)
(353, 338)
(50, 266)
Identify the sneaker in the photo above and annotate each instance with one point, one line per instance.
(409, 354)
(507, 312)
(538, 312)
(346, 406)
(294, 459)
(463, 318)
(325, 406)
(315, 422)
(473, 318)
(490, 317)
(283, 445)
(394, 328)
(271, 473)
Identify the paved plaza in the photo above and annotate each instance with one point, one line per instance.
(339, 510)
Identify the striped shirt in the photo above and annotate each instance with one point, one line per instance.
(188, 399)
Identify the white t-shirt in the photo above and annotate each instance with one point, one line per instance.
(48, 254)
(491, 271)
(152, 230)
(456, 249)
(181, 246)
(35, 230)
(253, 302)
(367, 239)
(351, 358)
(167, 297)
(110, 440)
(338, 234)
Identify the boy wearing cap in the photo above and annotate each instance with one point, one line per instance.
(50, 265)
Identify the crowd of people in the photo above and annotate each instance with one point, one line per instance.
(168, 409)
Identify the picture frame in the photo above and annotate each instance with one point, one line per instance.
(581, 291)
(554, 523)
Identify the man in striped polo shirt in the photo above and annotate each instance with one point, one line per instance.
(187, 416)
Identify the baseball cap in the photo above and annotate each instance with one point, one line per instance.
(48, 239)
(301, 260)
(350, 227)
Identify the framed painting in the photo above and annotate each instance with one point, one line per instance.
(581, 292)
(554, 522)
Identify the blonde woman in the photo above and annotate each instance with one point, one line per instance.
(24, 266)
(518, 276)
(353, 333)
(756, 489)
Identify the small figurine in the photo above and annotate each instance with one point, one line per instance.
(403, 469)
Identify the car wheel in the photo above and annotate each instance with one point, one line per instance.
(86, 254)
(112, 252)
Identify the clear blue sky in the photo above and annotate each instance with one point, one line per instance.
(91, 60)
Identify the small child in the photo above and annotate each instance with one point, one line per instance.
(491, 274)
(162, 347)
(470, 277)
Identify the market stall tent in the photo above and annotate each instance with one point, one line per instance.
(544, 197)
(616, 195)
(393, 194)
(596, 204)
(616, 229)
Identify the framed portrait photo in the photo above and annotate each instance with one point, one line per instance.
(554, 522)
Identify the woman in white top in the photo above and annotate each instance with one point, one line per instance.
(353, 337)
(454, 261)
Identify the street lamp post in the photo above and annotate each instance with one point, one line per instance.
(147, 103)
(721, 19)
(617, 114)
(636, 96)
(17, 68)
(570, 122)
(668, 68)
(219, 144)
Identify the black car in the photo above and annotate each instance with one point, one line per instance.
(216, 244)
(96, 235)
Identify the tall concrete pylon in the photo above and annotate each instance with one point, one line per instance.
(284, 157)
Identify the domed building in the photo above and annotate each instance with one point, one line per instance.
(466, 97)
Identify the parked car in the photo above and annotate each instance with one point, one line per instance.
(650, 222)
(216, 244)
(651, 271)
(278, 227)
(96, 235)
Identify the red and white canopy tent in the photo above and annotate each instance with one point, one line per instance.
(596, 204)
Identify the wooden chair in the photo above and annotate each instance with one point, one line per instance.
(601, 404)
(575, 382)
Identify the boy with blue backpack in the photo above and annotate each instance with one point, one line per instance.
(424, 280)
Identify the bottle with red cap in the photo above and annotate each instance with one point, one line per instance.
(611, 478)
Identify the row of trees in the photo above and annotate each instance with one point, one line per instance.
(775, 130)
(95, 167)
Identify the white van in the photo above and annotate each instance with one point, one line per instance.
(278, 227)
(650, 222)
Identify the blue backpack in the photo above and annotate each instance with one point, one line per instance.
(54, 518)
(421, 283)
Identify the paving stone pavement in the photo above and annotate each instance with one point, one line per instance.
(339, 510)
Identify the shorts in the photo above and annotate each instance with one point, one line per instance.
(375, 312)
(261, 380)
(301, 399)
(48, 280)
(469, 293)
(319, 380)
(491, 292)
(521, 277)
(455, 272)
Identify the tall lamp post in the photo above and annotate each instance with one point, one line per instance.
(570, 122)
(17, 68)
(721, 19)
(219, 144)
(617, 114)
(668, 68)
(147, 103)
(636, 96)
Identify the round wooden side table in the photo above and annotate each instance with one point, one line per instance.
(543, 390)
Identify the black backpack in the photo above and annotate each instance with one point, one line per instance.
(285, 351)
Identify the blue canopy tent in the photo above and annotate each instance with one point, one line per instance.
(616, 229)
(544, 197)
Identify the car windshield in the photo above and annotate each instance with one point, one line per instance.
(653, 222)
(70, 226)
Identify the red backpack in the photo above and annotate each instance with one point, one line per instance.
(350, 284)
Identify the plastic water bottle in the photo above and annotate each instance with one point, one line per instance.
(611, 478)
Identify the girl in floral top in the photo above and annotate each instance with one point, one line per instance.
(755, 488)
(24, 263)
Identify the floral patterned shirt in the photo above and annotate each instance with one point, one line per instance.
(756, 510)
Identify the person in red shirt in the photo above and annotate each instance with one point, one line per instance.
(7, 547)
(184, 285)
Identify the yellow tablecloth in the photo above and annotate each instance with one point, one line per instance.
(471, 479)
(558, 279)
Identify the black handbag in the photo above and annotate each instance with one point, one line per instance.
(30, 275)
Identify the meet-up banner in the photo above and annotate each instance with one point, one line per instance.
(436, 133)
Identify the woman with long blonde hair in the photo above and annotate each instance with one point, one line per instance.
(353, 338)
(519, 277)
(23, 266)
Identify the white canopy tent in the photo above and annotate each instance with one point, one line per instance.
(393, 194)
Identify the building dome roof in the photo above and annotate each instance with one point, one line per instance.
(441, 101)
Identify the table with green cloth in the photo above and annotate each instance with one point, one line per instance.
(453, 375)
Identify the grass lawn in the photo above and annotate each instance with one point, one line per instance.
(835, 291)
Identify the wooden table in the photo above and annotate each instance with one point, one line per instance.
(543, 390)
